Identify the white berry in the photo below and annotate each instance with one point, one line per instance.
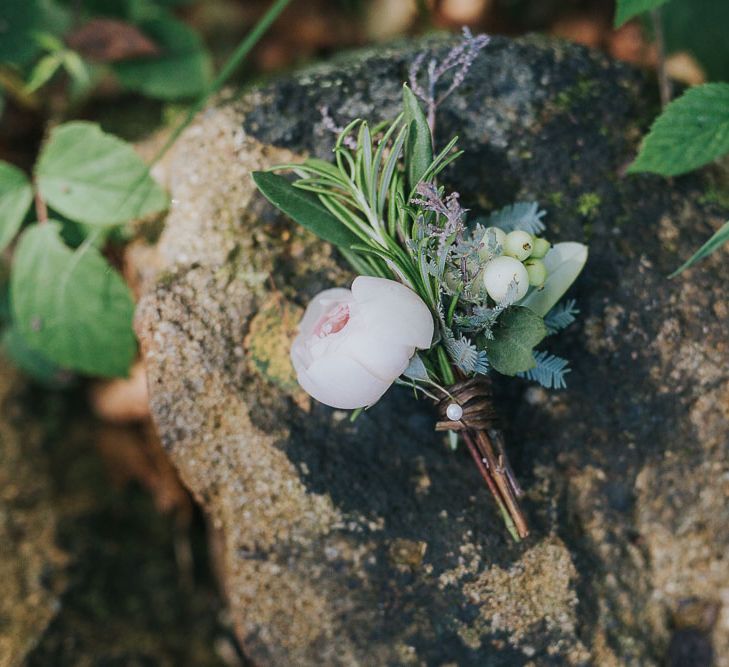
(498, 275)
(518, 245)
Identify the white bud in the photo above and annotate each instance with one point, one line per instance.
(498, 275)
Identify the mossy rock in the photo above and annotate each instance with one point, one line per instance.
(370, 543)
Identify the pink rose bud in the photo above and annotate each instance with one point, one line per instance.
(353, 344)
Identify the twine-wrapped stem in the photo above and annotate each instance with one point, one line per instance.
(486, 445)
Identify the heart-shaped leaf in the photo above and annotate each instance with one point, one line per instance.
(96, 178)
(71, 306)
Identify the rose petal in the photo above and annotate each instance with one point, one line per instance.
(393, 312)
(340, 382)
(387, 361)
(320, 305)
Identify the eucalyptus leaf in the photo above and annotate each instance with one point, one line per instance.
(16, 195)
(96, 178)
(419, 142)
(563, 262)
(516, 333)
(304, 208)
(416, 369)
(71, 306)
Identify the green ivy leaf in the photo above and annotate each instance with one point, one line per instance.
(16, 195)
(718, 239)
(516, 333)
(419, 143)
(71, 306)
(692, 131)
(304, 208)
(627, 9)
(183, 70)
(96, 178)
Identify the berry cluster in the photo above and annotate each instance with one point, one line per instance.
(513, 257)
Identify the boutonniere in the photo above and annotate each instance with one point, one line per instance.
(440, 302)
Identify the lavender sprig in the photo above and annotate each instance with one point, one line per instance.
(460, 56)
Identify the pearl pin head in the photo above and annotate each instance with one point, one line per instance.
(454, 412)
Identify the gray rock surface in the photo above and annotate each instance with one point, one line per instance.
(371, 543)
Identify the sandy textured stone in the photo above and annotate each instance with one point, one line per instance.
(370, 543)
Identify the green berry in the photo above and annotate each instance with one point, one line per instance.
(541, 248)
(536, 271)
(518, 245)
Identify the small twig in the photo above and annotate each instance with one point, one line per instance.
(665, 86)
(497, 471)
(40, 207)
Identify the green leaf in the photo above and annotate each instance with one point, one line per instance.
(43, 71)
(183, 70)
(71, 306)
(718, 239)
(419, 143)
(96, 178)
(31, 362)
(627, 9)
(16, 195)
(516, 333)
(692, 131)
(303, 208)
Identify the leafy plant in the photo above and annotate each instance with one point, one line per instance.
(69, 305)
(69, 308)
(693, 130)
(40, 39)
